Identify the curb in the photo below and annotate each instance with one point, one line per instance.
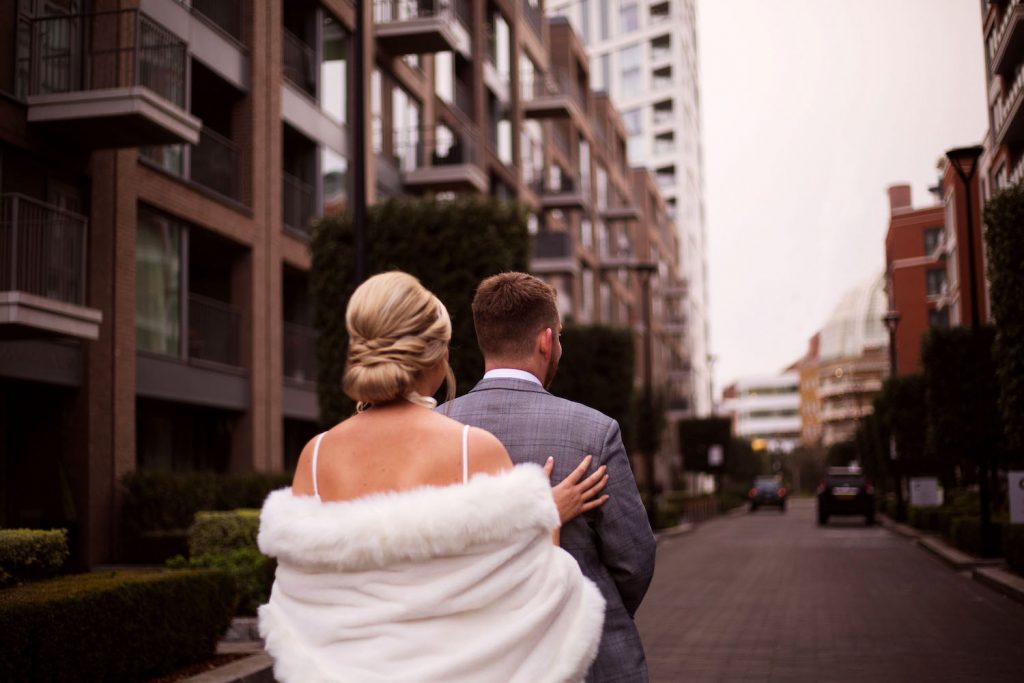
(901, 529)
(1001, 580)
(258, 668)
(955, 558)
(672, 532)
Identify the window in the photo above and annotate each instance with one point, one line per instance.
(584, 165)
(661, 78)
(334, 174)
(932, 238)
(938, 317)
(405, 112)
(661, 48)
(629, 71)
(158, 281)
(605, 19)
(935, 281)
(444, 76)
(585, 22)
(663, 112)
(660, 12)
(633, 120)
(629, 17)
(333, 69)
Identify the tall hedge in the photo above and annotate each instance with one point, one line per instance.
(1004, 237)
(597, 370)
(449, 245)
(963, 425)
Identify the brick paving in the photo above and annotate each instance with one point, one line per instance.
(774, 597)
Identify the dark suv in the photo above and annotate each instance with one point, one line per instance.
(767, 491)
(845, 491)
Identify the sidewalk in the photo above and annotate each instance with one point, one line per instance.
(990, 572)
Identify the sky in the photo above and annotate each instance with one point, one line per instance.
(810, 110)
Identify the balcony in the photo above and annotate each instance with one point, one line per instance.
(1006, 42)
(108, 79)
(225, 14)
(440, 160)
(553, 253)
(213, 331)
(620, 211)
(549, 96)
(1018, 173)
(298, 62)
(42, 271)
(213, 163)
(298, 204)
(1007, 114)
(412, 27)
(568, 195)
(534, 17)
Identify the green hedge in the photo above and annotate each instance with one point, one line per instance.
(168, 501)
(965, 532)
(1013, 546)
(251, 572)
(112, 626)
(214, 533)
(28, 554)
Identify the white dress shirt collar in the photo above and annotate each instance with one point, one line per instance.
(510, 373)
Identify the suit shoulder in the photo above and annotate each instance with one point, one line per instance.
(578, 410)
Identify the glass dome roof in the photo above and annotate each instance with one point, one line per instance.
(856, 322)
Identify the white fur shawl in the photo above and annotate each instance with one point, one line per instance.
(455, 583)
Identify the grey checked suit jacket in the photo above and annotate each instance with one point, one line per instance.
(613, 544)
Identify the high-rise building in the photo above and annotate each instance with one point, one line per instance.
(644, 54)
(160, 163)
(766, 410)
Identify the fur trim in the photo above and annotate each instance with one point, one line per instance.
(414, 525)
(584, 639)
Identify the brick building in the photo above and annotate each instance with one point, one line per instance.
(1003, 29)
(160, 162)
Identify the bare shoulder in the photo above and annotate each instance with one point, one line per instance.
(302, 482)
(486, 453)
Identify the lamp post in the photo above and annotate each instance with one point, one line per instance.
(892, 321)
(359, 135)
(965, 163)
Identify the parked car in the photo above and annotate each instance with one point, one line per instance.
(767, 491)
(845, 491)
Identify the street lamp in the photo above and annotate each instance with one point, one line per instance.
(965, 163)
(892, 321)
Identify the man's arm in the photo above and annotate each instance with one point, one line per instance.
(626, 540)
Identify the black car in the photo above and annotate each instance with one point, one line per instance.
(845, 491)
(767, 491)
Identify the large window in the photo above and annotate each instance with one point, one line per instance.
(405, 112)
(935, 281)
(334, 175)
(630, 73)
(629, 16)
(333, 69)
(444, 76)
(932, 238)
(158, 284)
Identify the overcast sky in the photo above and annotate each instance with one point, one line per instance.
(811, 109)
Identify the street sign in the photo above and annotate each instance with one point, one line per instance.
(715, 456)
(924, 491)
(1016, 495)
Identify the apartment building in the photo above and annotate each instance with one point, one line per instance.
(1003, 30)
(160, 163)
(644, 54)
(916, 273)
(766, 410)
(810, 401)
(852, 360)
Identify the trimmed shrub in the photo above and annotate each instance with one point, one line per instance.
(112, 626)
(28, 554)
(251, 572)
(965, 532)
(1013, 546)
(214, 533)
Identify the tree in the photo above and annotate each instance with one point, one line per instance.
(1004, 216)
(449, 245)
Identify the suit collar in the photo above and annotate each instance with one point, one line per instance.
(509, 384)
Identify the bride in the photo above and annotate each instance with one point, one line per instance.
(409, 548)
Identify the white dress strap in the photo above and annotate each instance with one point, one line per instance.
(316, 454)
(465, 454)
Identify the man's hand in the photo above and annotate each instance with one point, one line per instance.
(574, 497)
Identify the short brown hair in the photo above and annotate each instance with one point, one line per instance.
(509, 310)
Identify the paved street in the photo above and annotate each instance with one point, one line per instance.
(774, 597)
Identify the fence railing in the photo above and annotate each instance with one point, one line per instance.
(227, 14)
(390, 11)
(298, 62)
(299, 352)
(552, 245)
(213, 330)
(436, 146)
(114, 49)
(42, 249)
(297, 202)
(215, 164)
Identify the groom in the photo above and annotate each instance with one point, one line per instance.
(517, 328)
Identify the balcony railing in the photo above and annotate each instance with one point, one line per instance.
(213, 331)
(437, 146)
(995, 38)
(299, 64)
(1018, 173)
(42, 249)
(215, 164)
(1006, 104)
(561, 139)
(390, 11)
(299, 352)
(464, 99)
(115, 49)
(227, 14)
(297, 200)
(553, 245)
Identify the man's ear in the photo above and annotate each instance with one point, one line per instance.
(544, 341)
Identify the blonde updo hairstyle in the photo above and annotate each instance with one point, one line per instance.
(397, 331)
